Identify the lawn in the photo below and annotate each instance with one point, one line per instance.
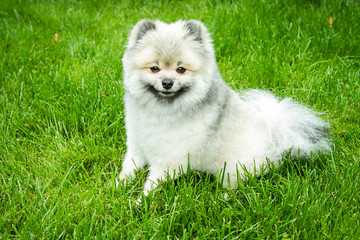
(62, 133)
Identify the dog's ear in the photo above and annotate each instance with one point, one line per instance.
(194, 29)
(197, 30)
(140, 30)
(199, 33)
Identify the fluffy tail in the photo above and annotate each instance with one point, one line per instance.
(288, 125)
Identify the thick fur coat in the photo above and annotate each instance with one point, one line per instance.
(179, 110)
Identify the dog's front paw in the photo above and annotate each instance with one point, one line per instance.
(122, 180)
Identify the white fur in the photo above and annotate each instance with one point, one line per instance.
(207, 124)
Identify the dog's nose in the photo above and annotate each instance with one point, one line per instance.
(167, 83)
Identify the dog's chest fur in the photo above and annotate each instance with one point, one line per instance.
(175, 136)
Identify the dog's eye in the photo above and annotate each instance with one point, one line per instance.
(180, 70)
(155, 69)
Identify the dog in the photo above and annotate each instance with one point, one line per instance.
(179, 112)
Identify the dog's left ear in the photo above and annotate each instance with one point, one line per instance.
(140, 30)
(199, 33)
(197, 30)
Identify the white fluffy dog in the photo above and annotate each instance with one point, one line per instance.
(179, 111)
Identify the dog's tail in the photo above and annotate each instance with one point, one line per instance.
(288, 125)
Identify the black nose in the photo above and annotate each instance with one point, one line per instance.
(167, 83)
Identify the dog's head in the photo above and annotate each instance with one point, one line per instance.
(169, 61)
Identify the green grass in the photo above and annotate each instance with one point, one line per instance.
(62, 134)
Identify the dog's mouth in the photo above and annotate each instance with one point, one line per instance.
(166, 93)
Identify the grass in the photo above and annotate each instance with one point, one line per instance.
(62, 135)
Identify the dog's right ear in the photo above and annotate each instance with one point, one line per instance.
(140, 30)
